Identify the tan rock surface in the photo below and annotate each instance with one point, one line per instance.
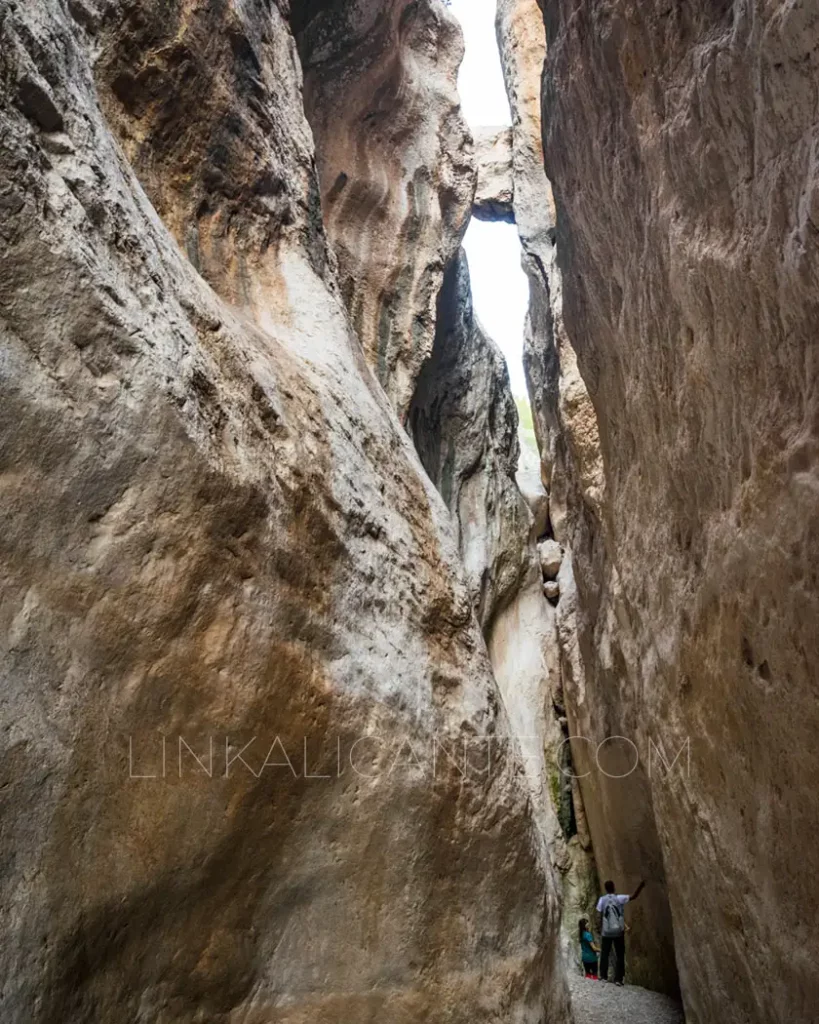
(395, 165)
(464, 423)
(494, 193)
(681, 145)
(550, 555)
(214, 527)
(563, 418)
(568, 436)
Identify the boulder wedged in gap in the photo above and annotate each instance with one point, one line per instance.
(494, 194)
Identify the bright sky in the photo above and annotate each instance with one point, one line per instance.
(483, 95)
(500, 291)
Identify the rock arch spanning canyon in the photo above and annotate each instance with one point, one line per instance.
(258, 472)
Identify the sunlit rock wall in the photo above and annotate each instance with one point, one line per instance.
(565, 428)
(681, 142)
(395, 166)
(215, 529)
(464, 423)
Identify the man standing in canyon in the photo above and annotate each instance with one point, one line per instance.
(610, 907)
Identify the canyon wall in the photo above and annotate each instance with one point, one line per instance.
(566, 432)
(464, 423)
(223, 565)
(395, 163)
(395, 166)
(681, 143)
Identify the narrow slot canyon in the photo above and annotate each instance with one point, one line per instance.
(409, 478)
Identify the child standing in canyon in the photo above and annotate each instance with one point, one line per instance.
(588, 950)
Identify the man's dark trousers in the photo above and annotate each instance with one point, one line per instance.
(619, 943)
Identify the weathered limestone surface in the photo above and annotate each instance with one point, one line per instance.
(682, 144)
(215, 528)
(522, 45)
(563, 415)
(464, 423)
(564, 425)
(395, 164)
(494, 193)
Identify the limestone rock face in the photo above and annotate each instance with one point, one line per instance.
(218, 543)
(563, 415)
(494, 192)
(522, 45)
(464, 423)
(395, 165)
(565, 428)
(206, 106)
(681, 145)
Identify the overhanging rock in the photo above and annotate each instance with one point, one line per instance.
(495, 193)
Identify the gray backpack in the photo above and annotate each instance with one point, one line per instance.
(614, 920)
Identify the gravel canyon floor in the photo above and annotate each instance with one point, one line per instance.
(598, 1002)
